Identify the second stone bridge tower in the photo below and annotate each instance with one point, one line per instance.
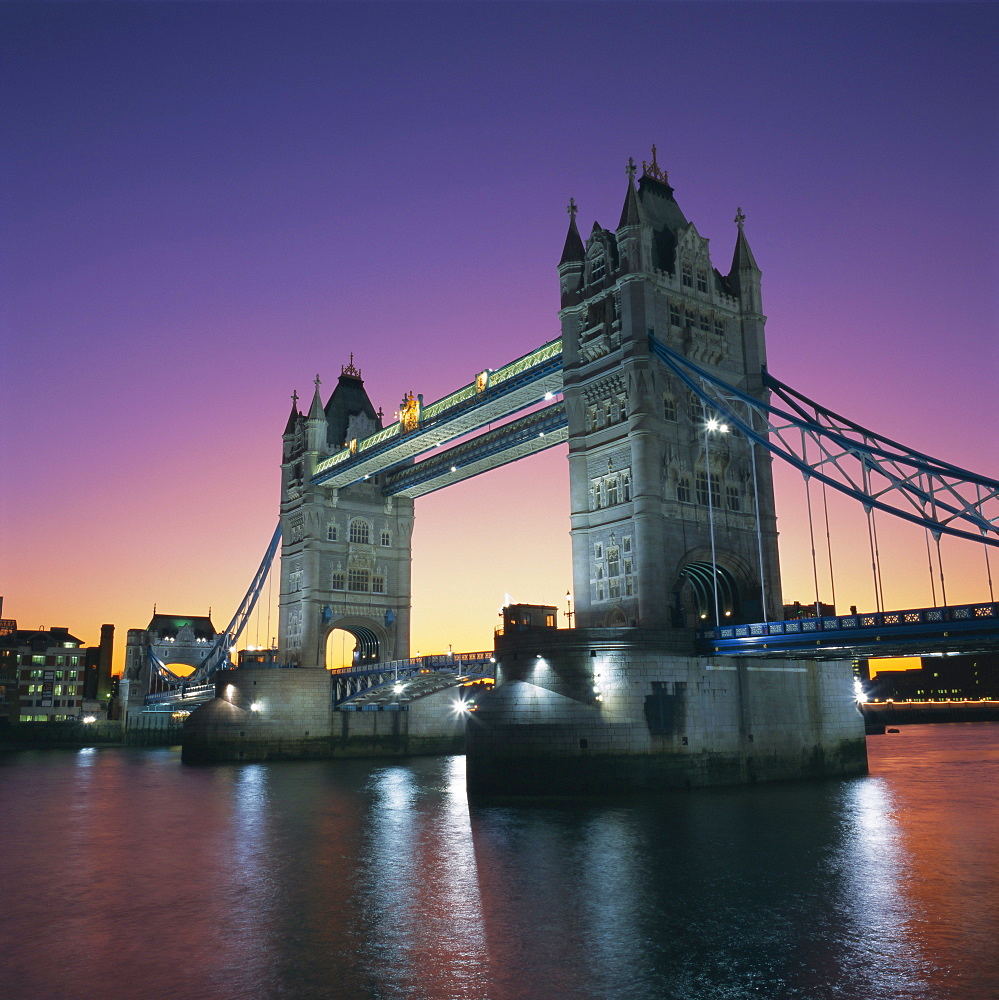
(672, 512)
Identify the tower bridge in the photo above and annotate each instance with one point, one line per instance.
(659, 385)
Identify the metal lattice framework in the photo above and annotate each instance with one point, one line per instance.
(218, 655)
(872, 469)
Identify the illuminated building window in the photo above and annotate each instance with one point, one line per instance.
(613, 562)
(358, 580)
(38, 659)
(330, 532)
(702, 280)
(702, 490)
(688, 274)
(386, 538)
(360, 532)
(669, 408)
(683, 489)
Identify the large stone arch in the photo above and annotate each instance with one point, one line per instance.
(694, 589)
(371, 639)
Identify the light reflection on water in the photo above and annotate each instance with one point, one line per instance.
(369, 879)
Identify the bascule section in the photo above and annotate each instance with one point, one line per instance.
(673, 520)
(346, 552)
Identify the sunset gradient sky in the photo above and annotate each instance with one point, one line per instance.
(204, 205)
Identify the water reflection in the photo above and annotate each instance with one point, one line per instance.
(357, 880)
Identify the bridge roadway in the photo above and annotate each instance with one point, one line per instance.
(532, 380)
(397, 682)
(966, 628)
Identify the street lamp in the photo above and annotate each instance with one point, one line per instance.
(568, 603)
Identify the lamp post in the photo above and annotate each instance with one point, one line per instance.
(568, 603)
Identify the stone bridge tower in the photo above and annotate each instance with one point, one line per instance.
(650, 484)
(346, 554)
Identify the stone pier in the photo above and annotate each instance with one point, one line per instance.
(601, 710)
(265, 713)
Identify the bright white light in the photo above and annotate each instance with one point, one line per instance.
(712, 424)
(549, 395)
(399, 688)
(858, 691)
(256, 706)
(90, 718)
(459, 707)
(454, 468)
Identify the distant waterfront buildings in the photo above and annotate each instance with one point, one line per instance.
(971, 677)
(44, 674)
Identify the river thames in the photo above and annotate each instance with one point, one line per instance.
(128, 875)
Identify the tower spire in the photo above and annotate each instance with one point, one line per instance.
(572, 252)
(742, 259)
(630, 214)
(316, 410)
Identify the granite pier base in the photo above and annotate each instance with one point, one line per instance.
(603, 711)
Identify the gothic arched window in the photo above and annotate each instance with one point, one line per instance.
(360, 532)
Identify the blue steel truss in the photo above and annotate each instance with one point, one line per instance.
(218, 655)
(967, 628)
(878, 472)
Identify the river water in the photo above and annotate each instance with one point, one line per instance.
(128, 875)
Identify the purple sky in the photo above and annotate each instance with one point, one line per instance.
(204, 205)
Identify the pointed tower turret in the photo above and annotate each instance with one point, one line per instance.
(631, 214)
(294, 416)
(570, 267)
(744, 277)
(292, 429)
(634, 236)
(315, 423)
(744, 280)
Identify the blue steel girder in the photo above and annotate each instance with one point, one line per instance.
(968, 628)
(872, 469)
(523, 383)
(489, 450)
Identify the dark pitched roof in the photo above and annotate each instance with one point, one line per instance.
(170, 625)
(349, 399)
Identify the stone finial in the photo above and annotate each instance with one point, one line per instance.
(739, 218)
(630, 169)
(572, 209)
